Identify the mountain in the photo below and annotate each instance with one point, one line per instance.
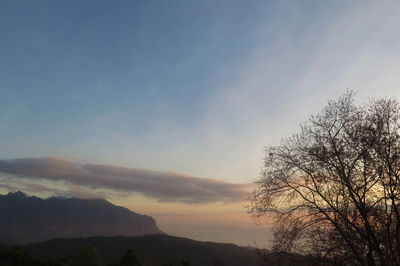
(27, 219)
(155, 250)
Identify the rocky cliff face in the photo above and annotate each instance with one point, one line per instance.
(25, 219)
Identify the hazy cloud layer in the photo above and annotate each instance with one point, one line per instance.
(163, 186)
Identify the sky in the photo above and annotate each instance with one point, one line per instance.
(165, 107)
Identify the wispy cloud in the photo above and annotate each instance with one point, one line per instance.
(163, 186)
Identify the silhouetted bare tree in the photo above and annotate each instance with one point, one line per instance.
(333, 189)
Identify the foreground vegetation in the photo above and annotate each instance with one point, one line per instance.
(148, 250)
(87, 256)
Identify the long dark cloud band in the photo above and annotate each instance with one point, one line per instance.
(163, 186)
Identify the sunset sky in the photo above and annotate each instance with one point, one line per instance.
(165, 107)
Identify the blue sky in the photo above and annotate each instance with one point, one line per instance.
(134, 58)
(193, 87)
(75, 73)
(129, 65)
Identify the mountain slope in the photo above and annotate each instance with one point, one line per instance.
(151, 250)
(30, 219)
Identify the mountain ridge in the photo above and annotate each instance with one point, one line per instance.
(27, 219)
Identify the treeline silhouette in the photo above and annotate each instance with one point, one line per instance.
(148, 250)
(87, 256)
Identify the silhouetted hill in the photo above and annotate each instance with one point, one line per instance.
(154, 250)
(27, 219)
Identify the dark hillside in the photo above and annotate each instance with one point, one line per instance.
(151, 250)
